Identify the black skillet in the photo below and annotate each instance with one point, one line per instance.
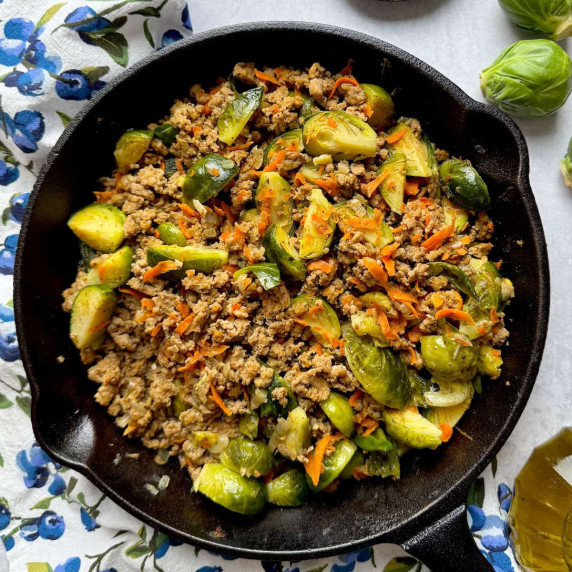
(425, 510)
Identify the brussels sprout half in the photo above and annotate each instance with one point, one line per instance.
(115, 270)
(449, 415)
(358, 460)
(289, 141)
(279, 250)
(170, 234)
(289, 489)
(247, 457)
(100, 226)
(91, 311)
(417, 154)
(381, 464)
(248, 424)
(552, 18)
(291, 436)
(365, 325)
(230, 490)
(272, 407)
(447, 360)
(463, 185)
(380, 372)
(412, 429)
(207, 177)
(454, 213)
(356, 215)
(237, 113)
(381, 106)
(274, 200)
(339, 412)
(488, 284)
(340, 135)
(318, 228)
(450, 393)
(319, 316)
(566, 166)
(392, 187)
(130, 147)
(333, 464)
(531, 78)
(197, 258)
(490, 362)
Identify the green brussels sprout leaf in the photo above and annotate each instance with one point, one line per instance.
(170, 234)
(455, 276)
(237, 113)
(207, 177)
(279, 250)
(166, 133)
(267, 273)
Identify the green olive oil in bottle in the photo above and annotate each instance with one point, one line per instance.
(541, 511)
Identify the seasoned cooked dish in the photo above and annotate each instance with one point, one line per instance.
(285, 285)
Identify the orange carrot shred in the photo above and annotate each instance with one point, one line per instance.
(155, 331)
(370, 188)
(455, 315)
(385, 327)
(376, 270)
(188, 211)
(494, 315)
(314, 465)
(459, 299)
(436, 240)
(299, 179)
(161, 268)
(322, 265)
(340, 81)
(215, 396)
(147, 303)
(447, 432)
(133, 292)
(184, 324)
(395, 137)
(355, 397)
(227, 212)
(278, 158)
(411, 188)
(348, 68)
(183, 309)
(266, 78)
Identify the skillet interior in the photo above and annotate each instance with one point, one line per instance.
(79, 433)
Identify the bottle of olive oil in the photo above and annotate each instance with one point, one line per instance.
(541, 511)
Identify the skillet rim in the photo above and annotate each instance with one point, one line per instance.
(456, 494)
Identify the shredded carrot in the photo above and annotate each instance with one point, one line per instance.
(266, 78)
(355, 397)
(179, 166)
(147, 303)
(196, 130)
(241, 147)
(133, 292)
(389, 264)
(359, 473)
(332, 123)
(246, 398)
(400, 296)
(248, 255)
(227, 212)
(183, 309)
(214, 351)
(372, 427)
(412, 354)
(329, 185)
(349, 299)
(411, 188)
(239, 234)
(319, 349)
(395, 137)
(299, 179)
(370, 188)
(385, 327)
(225, 235)
(496, 353)
(184, 228)
(481, 330)
(459, 299)
(390, 249)
(102, 196)
(414, 335)
(493, 314)
(162, 164)
(215, 396)
(277, 159)
(411, 308)
(339, 82)
(155, 331)
(398, 229)
(207, 110)
(246, 283)
(361, 223)
(416, 238)
(368, 110)
(376, 270)
(322, 265)
(315, 310)
(231, 268)
(218, 210)
(437, 300)
(118, 177)
(348, 68)
(214, 172)
(161, 268)
(447, 432)
(184, 324)
(188, 211)
(455, 315)
(436, 240)
(314, 465)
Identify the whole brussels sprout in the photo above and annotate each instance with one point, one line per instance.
(531, 78)
(566, 166)
(552, 18)
(381, 106)
(463, 185)
(247, 457)
(447, 360)
(340, 135)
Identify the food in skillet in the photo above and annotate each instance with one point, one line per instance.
(285, 286)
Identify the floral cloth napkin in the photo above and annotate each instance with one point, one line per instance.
(53, 58)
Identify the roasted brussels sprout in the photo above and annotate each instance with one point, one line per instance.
(115, 270)
(248, 424)
(279, 250)
(488, 284)
(207, 177)
(166, 133)
(463, 185)
(91, 311)
(274, 200)
(531, 78)
(355, 214)
(229, 489)
(412, 429)
(417, 153)
(340, 135)
(381, 373)
(130, 147)
(307, 107)
(247, 457)
(381, 106)
(380, 464)
(291, 436)
(267, 273)
(365, 325)
(319, 316)
(334, 464)
(339, 412)
(392, 187)
(289, 489)
(100, 226)
(273, 407)
(289, 141)
(378, 300)
(552, 18)
(566, 166)
(358, 460)
(447, 360)
(490, 362)
(376, 441)
(450, 393)
(197, 258)
(318, 228)
(449, 415)
(237, 113)
(454, 213)
(481, 318)
(455, 276)
(170, 234)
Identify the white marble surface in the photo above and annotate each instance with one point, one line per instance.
(459, 38)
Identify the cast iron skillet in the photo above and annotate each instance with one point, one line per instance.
(425, 510)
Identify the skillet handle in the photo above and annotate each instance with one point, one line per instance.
(448, 546)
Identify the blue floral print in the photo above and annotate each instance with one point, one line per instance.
(170, 37)
(25, 129)
(8, 173)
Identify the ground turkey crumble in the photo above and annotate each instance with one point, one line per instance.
(176, 345)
